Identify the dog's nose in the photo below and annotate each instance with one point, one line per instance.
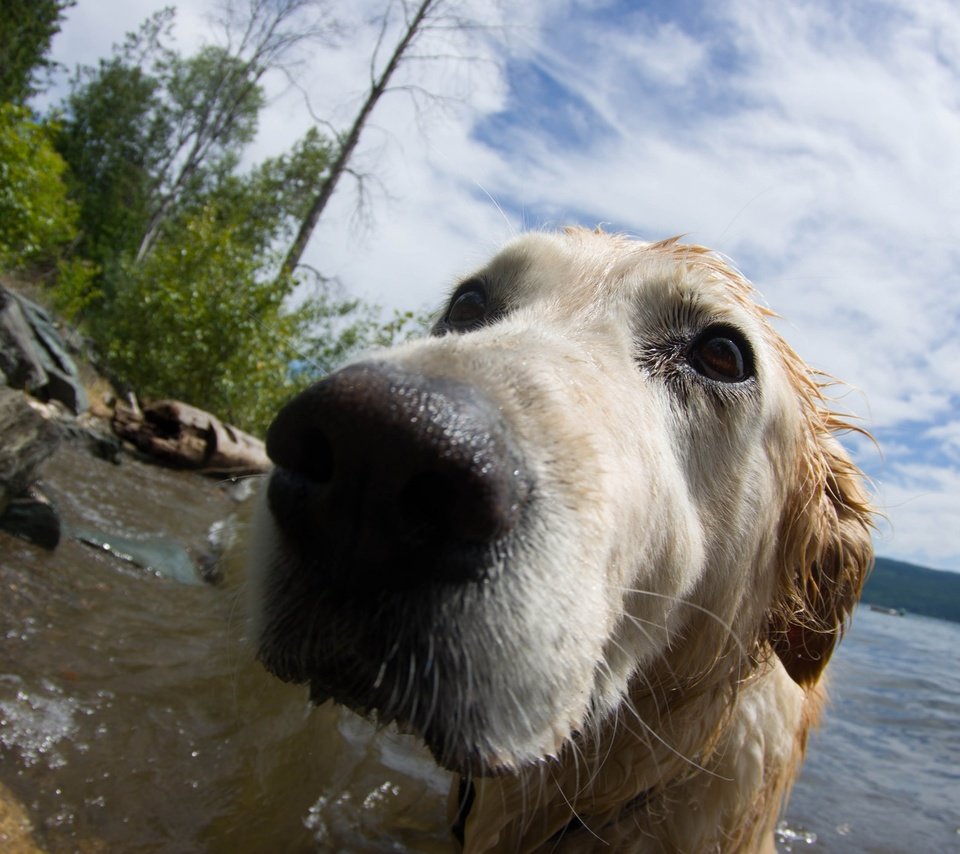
(385, 476)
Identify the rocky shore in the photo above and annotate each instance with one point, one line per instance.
(58, 409)
(51, 392)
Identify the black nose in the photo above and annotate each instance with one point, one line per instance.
(392, 478)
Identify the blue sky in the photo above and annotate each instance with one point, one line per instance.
(816, 143)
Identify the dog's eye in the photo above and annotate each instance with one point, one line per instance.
(468, 308)
(721, 353)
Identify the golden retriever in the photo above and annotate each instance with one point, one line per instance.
(594, 540)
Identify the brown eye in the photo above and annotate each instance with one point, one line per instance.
(721, 353)
(468, 308)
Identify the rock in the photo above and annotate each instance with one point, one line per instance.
(26, 440)
(32, 517)
(63, 380)
(183, 436)
(91, 432)
(18, 357)
(33, 356)
(16, 831)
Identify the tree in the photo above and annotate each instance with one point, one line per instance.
(36, 219)
(343, 327)
(214, 97)
(195, 321)
(427, 17)
(110, 137)
(203, 317)
(26, 29)
(147, 129)
(192, 301)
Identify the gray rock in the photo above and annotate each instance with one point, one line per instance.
(159, 555)
(26, 440)
(19, 360)
(33, 517)
(63, 380)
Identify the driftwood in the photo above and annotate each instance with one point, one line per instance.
(183, 436)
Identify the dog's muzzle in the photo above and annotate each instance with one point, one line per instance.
(388, 478)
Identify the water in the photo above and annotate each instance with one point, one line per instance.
(883, 773)
(133, 719)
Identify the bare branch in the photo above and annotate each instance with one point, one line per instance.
(425, 17)
(381, 35)
(256, 37)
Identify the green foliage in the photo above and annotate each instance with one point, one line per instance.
(147, 132)
(74, 287)
(202, 316)
(109, 139)
(343, 328)
(265, 204)
(36, 219)
(196, 321)
(26, 30)
(175, 270)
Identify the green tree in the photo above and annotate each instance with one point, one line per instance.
(203, 317)
(343, 327)
(147, 129)
(36, 219)
(109, 138)
(192, 302)
(196, 321)
(26, 29)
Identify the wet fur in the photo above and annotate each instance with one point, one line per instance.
(641, 666)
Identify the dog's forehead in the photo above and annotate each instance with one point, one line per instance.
(590, 268)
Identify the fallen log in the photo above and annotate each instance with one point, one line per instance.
(183, 436)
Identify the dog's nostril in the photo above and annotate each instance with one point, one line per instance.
(297, 444)
(466, 505)
(422, 507)
(317, 457)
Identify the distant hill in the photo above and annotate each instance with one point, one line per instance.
(931, 592)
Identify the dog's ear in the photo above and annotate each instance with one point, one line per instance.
(826, 552)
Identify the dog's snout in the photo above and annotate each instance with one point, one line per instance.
(388, 476)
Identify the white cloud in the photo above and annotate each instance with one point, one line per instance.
(922, 506)
(947, 436)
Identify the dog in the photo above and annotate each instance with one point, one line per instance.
(593, 540)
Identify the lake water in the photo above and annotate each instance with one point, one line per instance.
(883, 772)
(132, 717)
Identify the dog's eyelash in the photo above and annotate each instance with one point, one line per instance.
(669, 359)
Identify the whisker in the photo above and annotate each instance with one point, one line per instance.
(576, 815)
(685, 759)
(686, 602)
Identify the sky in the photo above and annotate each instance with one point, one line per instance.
(815, 143)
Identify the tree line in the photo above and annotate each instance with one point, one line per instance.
(129, 200)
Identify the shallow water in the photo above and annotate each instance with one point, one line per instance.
(133, 718)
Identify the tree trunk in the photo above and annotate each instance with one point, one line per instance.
(349, 143)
